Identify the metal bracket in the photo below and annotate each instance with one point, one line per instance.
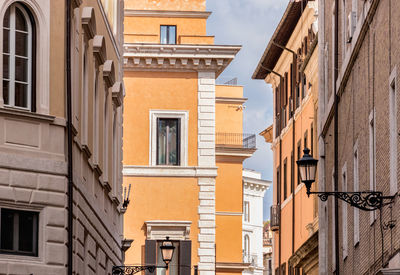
(129, 270)
(367, 200)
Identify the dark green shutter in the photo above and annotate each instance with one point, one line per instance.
(185, 257)
(150, 254)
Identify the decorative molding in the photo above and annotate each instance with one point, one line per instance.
(184, 131)
(118, 93)
(89, 22)
(302, 256)
(109, 73)
(167, 14)
(154, 57)
(14, 112)
(235, 267)
(235, 152)
(99, 49)
(230, 100)
(257, 184)
(169, 171)
(175, 230)
(221, 213)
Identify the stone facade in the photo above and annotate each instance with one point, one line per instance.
(33, 143)
(253, 194)
(365, 85)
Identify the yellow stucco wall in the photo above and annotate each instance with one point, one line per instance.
(180, 5)
(147, 91)
(159, 199)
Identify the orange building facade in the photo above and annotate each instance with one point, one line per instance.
(290, 65)
(183, 141)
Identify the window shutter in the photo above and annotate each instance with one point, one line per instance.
(185, 256)
(150, 254)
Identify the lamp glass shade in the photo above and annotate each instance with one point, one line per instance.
(307, 167)
(167, 251)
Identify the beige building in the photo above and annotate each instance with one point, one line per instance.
(61, 129)
(290, 65)
(358, 127)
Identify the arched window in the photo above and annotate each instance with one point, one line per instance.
(247, 246)
(18, 57)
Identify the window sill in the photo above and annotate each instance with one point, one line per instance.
(9, 111)
(169, 171)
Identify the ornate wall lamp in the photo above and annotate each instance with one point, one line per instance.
(167, 252)
(364, 200)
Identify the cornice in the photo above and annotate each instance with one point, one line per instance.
(230, 100)
(165, 13)
(258, 184)
(159, 57)
(109, 73)
(89, 21)
(169, 171)
(99, 49)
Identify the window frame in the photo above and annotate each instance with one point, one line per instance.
(31, 58)
(183, 116)
(178, 142)
(167, 34)
(36, 247)
(246, 211)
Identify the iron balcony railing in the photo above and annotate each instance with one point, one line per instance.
(275, 217)
(236, 140)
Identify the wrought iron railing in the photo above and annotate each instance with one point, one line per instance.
(275, 217)
(237, 140)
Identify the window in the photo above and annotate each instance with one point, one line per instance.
(305, 140)
(312, 139)
(168, 35)
(246, 247)
(278, 184)
(19, 232)
(292, 173)
(169, 149)
(246, 211)
(168, 143)
(18, 58)
(285, 179)
(298, 157)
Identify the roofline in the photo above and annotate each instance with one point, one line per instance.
(167, 13)
(271, 41)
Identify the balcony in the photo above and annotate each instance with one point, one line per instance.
(235, 144)
(233, 140)
(275, 217)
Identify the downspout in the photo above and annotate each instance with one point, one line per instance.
(293, 148)
(336, 136)
(69, 135)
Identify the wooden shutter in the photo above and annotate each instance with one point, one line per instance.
(185, 257)
(150, 254)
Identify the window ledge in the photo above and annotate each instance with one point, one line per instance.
(9, 111)
(169, 171)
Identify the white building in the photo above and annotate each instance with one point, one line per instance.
(253, 193)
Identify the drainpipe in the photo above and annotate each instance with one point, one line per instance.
(336, 136)
(69, 135)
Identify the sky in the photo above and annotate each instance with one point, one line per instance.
(249, 23)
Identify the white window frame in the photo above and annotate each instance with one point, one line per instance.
(356, 188)
(12, 56)
(345, 247)
(393, 131)
(184, 125)
(246, 210)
